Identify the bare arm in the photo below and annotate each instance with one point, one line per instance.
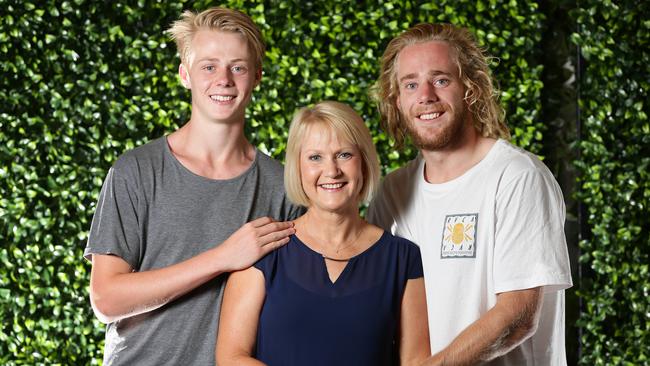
(511, 321)
(117, 292)
(414, 325)
(240, 312)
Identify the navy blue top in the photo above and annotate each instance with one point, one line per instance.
(308, 320)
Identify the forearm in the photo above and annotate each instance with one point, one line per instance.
(122, 295)
(117, 292)
(497, 332)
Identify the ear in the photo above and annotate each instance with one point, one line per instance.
(258, 77)
(185, 76)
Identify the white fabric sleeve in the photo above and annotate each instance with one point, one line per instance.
(530, 244)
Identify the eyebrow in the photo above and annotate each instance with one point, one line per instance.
(213, 59)
(413, 75)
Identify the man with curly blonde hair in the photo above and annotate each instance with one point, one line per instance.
(177, 214)
(488, 216)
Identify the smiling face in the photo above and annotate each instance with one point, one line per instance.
(221, 75)
(431, 95)
(331, 171)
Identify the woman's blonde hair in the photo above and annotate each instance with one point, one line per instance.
(183, 30)
(345, 123)
(474, 72)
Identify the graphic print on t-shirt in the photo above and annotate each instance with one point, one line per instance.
(459, 236)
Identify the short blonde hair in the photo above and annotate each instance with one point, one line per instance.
(474, 73)
(183, 30)
(347, 124)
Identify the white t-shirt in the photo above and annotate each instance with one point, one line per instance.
(499, 227)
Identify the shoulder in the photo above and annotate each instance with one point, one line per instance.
(400, 244)
(514, 159)
(267, 263)
(523, 177)
(267, 165)
(394, 183)
(145, 154)
(514, 162)
(406, 172)
(405, 254)
(267, 161)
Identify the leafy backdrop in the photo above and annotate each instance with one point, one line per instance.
(83, 81)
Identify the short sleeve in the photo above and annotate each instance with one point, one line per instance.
(530, 245)
(114, 228)
(268, 266)
(414, 262)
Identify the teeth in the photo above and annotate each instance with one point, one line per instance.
(430, 115)
(222, 98)
(332, 185)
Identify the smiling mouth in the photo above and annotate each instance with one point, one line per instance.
(222, 98)
(430, 116)
(332, 185)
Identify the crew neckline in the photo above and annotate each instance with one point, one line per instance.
(170, 154)
(442, 187)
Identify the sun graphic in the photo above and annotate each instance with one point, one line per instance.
(458, 233)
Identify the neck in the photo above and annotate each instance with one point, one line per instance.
(218, 151)
(330, 231)
(215, 138)
(452, 161)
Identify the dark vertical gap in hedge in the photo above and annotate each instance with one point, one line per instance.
(582, 228)
(559, 103)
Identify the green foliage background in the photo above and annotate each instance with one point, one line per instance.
(615, 181)
(83, 81)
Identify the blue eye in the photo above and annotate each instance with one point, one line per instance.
(344, 155)
(441, 82)
(238, 69)
(410, 85)
(314, 157)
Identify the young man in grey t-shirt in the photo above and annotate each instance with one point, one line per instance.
(178, 213)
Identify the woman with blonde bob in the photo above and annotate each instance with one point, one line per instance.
(342, 291)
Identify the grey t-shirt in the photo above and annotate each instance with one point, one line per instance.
(153, 212)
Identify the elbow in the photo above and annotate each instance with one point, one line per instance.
(517, 333)
(104, 308)
(102, 317)
(528, 321)
(528, 327)
(521, 330)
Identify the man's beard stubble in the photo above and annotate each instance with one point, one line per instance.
(446, 136)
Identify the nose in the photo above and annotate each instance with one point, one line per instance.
(427, 93)
(332, 169)
(223, 77)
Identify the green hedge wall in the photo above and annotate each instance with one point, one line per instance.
(84, 80)
(614, 38)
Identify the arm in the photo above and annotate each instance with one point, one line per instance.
(511, 321)
(240, 312)
(414, 326)
(117, 292)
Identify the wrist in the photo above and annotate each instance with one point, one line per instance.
(219, 262)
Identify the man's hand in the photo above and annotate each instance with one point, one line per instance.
(253, 241)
